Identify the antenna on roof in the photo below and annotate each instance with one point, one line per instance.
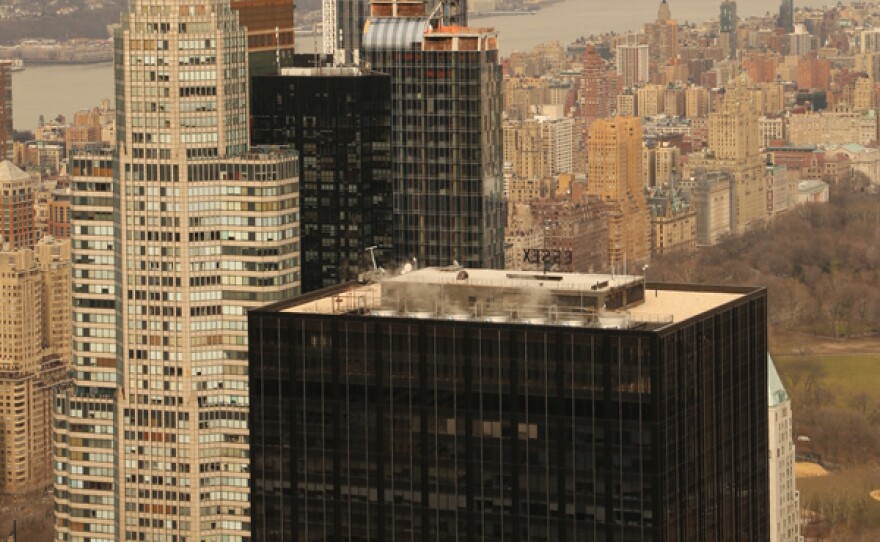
(374, 274)
(372, 251)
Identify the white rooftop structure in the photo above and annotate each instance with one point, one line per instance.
(570, 299)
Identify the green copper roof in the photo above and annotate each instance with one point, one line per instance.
(776, 394)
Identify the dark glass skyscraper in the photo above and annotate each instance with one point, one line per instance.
(339, 119)
(350, 18)
(446, 135)
(270, 33)
(729, 22)
(786, 16)
(451, 404)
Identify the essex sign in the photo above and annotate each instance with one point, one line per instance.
(547, 256)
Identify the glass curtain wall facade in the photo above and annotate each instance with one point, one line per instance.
(177, 233)
(446, 141)
(384, 428)
(339, 119)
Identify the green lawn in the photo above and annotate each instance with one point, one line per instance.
(845, 375)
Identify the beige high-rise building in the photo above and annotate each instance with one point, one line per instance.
(651, 100)
(632, 63)
(539, 147)
(16, 207)
(176, 236)
(626, 105)
(838, 127)
(615, 176)
(696, 102)
(733, 128)
(674, 101)
(735, 147)
(772, 129)
(864, 95)
(660, 164)
(35, 341)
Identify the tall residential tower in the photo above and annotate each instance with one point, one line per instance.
(177, 233)
(615, 176)
(5, 110)
(729, 23)
(446, 133)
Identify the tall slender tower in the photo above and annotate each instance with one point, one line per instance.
(615, 176)
(5, 110)
(446, 132)
(786, 16)
(596, 91)
(178, 233)
(729, 22)
(344, 28)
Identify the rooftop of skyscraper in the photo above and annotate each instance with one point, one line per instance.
(566, 299)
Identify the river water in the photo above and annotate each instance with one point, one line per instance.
(50, 90)
(53, 90)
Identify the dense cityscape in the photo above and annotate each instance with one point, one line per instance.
(401, 286)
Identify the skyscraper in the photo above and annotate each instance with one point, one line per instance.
(343, 27)
(662, 36)
(632, 63)
(16, 207)
(5, 110)
(615, 176)
(446, 146)
(483, 405)
(176, 233)
(339, 119)
(596, 92)
(735, 146)
(270, 34)
(786, 16)
(729, 23)
(34, 359)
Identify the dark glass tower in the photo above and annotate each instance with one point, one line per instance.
(451, 404)
(446, 136)
(270, 33)
(786, 16)
(729, 22)
(339, 119)
(350, 18)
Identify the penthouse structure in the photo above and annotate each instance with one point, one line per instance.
(446, 133)
(452, 403)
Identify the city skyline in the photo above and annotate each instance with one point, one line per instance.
(222, 178)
